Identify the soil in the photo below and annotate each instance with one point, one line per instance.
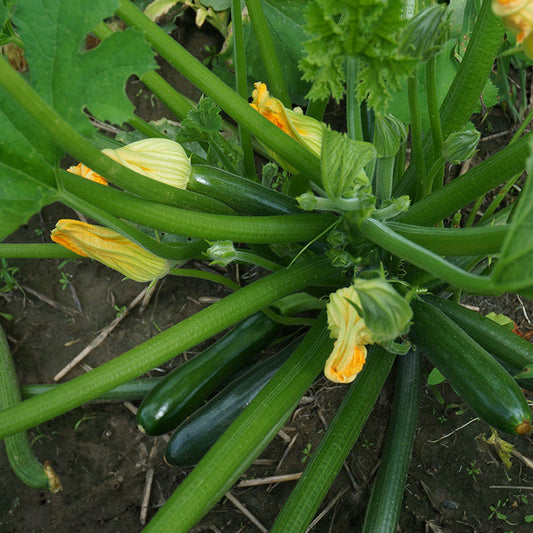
(456, 482)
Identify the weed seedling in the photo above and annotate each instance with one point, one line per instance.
(473, 470)
(306, 453)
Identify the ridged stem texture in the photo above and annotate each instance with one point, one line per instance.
(165, 345)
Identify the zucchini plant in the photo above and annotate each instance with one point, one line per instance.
(342, 228)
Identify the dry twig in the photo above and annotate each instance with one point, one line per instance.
(269, 480)
(245, 512)
(148, 481)
(327, 509)
(100, 337)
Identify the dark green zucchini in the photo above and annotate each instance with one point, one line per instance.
(241, 194)
(384, 506)
(185, 388)
(195, 435)
(512, 350)
(476, 376)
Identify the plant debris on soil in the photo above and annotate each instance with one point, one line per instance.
(457, 482)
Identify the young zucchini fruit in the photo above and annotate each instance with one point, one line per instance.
(476, 376)
(185, 388)
(384, 506)
(198, 432)
(512, 350)
(241, 194)
(18, 450)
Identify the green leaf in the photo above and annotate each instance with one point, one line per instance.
(435, 377)
(284, 21)
(514, 270)
(68, 76)
(367, 30)
(217, 5)
(502, 320)
(343, 161)
(26, 167)
(3, 13)
(204, 124)
(72, 80)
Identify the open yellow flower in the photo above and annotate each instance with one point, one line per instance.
(85, 172)
(158, 159)
(110, 248)
(351, 334)
(517, 15)
(306, 130)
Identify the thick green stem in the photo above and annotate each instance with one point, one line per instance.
(171, 342)
(133, 390)
(241, 82)
(417, 148)
(35, 251)
(146, 129)
(426, 260)
(481, 240)
(209, 276)
(260, 229)
(470, 186)
(161, 249)
(224, 96)
(463, 95)
(353, 109)
(244, 440)
(335, 446)
(268, 52)
(433, 107)
(317, 108)
(76, 145)
(384, 178)
(175, 101)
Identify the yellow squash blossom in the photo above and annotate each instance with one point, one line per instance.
(110, 248)
(517, 15)
(306, 130)
(351, 334)
(159, 159)
(85, 172)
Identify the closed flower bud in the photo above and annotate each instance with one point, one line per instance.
(517, 15)
(221, 253)
(351, 334)
(306, 130)
(427, 32)
(460, 146)
(110, 248)
(387, 313)
(158, 159)
(389, 134)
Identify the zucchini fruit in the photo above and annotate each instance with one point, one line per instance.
(384, 506)
(476, 376)
(198, 432)
(18, 450)
(185, 388)
(241, 194)
(512, 350)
